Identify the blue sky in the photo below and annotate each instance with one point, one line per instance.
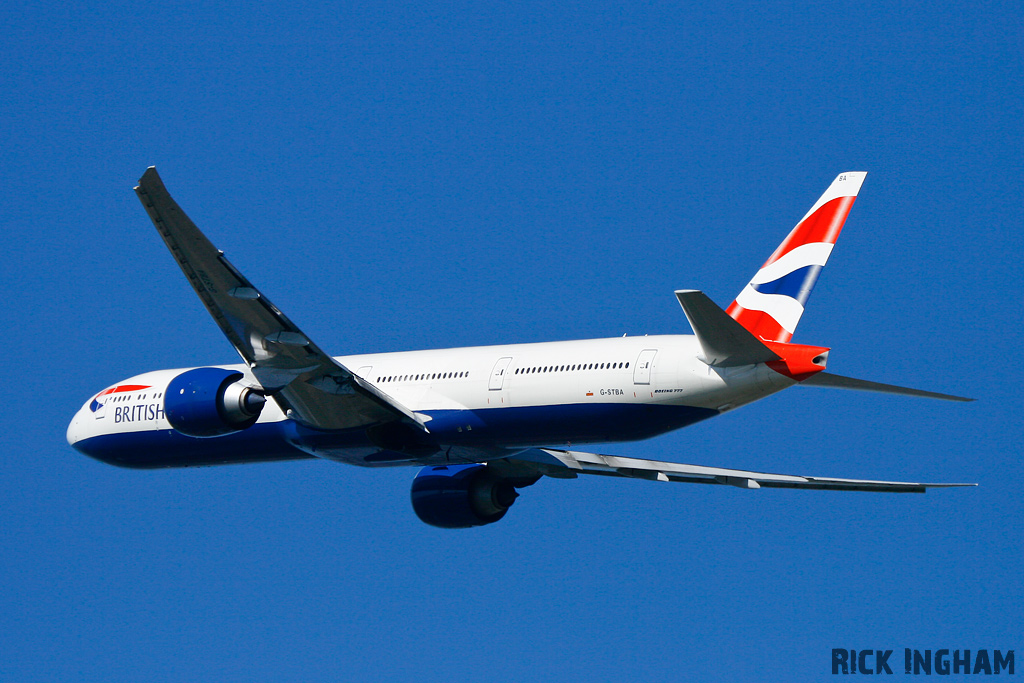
(398, 177)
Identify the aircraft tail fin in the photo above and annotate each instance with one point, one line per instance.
(770, 306)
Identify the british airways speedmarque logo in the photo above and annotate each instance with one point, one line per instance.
(96, 404)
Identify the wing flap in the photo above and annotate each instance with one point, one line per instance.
(563, 464)
(310, 386)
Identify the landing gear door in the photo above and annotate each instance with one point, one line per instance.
(644, 363)
(498, 374)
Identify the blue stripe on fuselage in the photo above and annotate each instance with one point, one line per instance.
(153, 449)
(559, 424)
(516, 427)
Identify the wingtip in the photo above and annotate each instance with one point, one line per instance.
(150, 179)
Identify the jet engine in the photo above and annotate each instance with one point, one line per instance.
(463, 496)
(207, 402)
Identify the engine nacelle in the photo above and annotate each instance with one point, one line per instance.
(461, 496)
(208, 402)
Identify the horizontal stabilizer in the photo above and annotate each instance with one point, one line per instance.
(725, 342)
(827, 379)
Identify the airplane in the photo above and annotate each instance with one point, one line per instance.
(480, 422)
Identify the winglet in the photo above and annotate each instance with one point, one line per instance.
(726, 343)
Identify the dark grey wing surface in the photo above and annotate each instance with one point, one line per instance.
(310, 386)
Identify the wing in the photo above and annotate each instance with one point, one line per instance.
(568, 464)
(310, 386)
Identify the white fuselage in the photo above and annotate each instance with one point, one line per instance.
(485, 399)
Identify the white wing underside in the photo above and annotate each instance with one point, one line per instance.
(568, 464)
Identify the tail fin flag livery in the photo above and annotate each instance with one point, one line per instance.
(481, 422)
(770, 306)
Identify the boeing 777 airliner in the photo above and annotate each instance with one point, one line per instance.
(481, 422)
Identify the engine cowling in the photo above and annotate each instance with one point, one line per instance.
(461, 496)
(207, 402)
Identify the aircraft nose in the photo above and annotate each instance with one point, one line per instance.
(74, 429)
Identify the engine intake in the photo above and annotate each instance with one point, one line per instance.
(207, 402)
